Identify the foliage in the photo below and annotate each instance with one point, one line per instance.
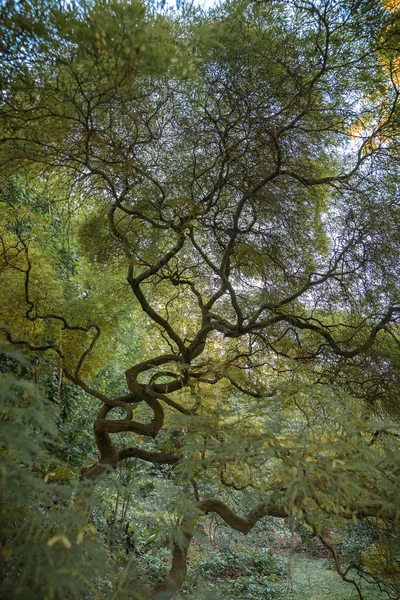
(245, 573)
(49, 550)
(200, 231)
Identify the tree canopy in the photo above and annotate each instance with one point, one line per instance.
(207, 203)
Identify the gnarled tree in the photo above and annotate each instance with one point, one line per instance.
(232, 174)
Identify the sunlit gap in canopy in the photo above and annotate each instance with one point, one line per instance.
(159, 4)
(180, 4)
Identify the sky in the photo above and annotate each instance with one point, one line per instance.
(201, 3)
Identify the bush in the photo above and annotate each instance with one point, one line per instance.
(48, 548)
(244, 573)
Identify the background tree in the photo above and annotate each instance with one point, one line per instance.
(232, 178)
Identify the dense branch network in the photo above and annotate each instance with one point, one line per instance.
(242, 227)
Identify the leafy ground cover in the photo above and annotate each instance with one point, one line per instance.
(307, 578)
(316, 579)
(242, 572)
(282, 572)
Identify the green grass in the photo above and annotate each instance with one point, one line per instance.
(313, 579)
(310, 579)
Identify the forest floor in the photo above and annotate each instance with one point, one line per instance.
(310, 575)
(316, 579)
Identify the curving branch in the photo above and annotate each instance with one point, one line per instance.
(342, 572)
(167, 588)
(160, 458)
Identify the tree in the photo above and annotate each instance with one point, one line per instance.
(232, 178)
